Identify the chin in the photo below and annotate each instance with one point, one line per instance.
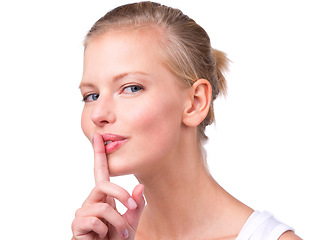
(119, 167)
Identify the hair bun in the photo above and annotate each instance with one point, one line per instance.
(222, 66)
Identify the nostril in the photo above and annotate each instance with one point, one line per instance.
(102, 112)
(104, 122)
(99, 120)
(102, 118)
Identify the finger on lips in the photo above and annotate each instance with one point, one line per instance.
(101, 172)
(100, 208)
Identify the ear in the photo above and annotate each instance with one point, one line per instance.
(199, 102)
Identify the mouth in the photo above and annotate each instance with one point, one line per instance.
(113, 142)
(107, 142)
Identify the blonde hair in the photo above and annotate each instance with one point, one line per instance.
(186, 49)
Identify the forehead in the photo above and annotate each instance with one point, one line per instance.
(136, 50)
(117, 52)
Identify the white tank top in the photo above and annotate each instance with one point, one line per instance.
(262, 226)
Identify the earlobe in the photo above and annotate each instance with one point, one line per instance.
(198, 107)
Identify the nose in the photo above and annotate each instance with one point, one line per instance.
(103, 112)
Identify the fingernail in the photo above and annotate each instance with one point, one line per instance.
(125, 233)
(132, 204)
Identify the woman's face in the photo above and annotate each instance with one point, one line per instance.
(132, 99)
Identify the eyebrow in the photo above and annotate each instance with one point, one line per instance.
(115, 79)
(85, 84)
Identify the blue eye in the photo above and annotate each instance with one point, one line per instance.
(132, 89)
(91, 97)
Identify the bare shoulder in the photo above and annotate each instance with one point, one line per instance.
(289, 235)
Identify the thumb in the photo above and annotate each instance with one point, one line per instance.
(133, 216)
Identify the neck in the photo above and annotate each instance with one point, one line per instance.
(172, 203)
(185, 196)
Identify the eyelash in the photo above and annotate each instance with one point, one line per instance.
(89, 95)
(122, 91)
(131, 86)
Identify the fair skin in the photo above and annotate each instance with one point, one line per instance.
(131, 94)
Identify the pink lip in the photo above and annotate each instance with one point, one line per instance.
(116, 142)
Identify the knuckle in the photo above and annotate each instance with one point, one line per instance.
(73, 225)
(105, 207)
(78, 212)
(94, 222)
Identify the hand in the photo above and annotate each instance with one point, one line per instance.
(98, 217)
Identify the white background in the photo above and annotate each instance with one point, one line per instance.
(259, 150)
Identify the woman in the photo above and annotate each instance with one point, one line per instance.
(149, 81)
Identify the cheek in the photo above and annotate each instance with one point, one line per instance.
(157, 124)
(85, 123)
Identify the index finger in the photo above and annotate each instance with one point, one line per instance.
(101, 172)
